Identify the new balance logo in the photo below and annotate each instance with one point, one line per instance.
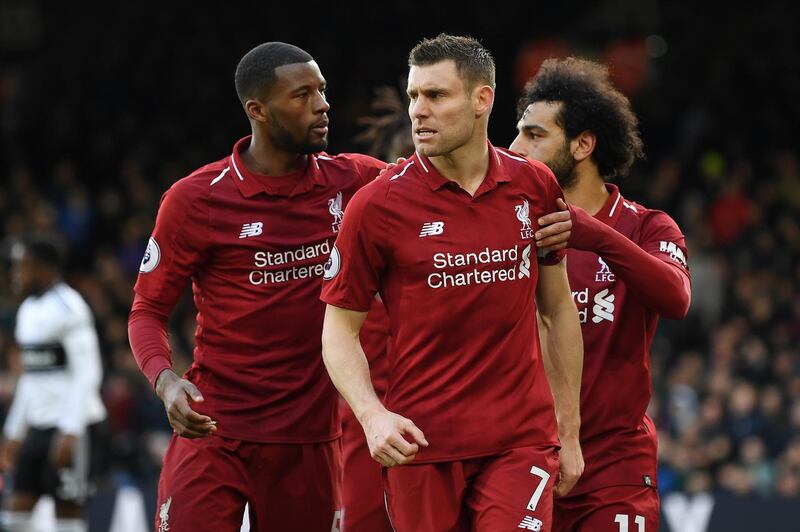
(603, 306)
(432, 228)
(252, 229)
(530, 523)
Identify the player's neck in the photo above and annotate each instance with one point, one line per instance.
(589, 192)
(44, 286)
(466, 165)
(263, 158)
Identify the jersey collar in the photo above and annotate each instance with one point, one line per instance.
(252, 183)
(495, 174)
(612, 208)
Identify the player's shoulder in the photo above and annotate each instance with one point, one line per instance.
(530, 170)
(402, 180)
(191, 194)
(355, 168)
(349, 161)
(648, 217)
(514, 161)
(199, 181)
(649, 223)
(375, 191)
(68, 303)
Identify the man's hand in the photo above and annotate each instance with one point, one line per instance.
(8, 454)
(384, 431)
(176, 394)
(63, 449)
(571, 466)
(555, 228)
(389, 166)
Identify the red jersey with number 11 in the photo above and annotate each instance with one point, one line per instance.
(617, 438)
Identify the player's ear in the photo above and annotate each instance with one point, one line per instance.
(256, 110)
(583, 145)
(484, 100)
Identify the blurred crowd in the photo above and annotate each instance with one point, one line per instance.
(92, 168)
(727, 379)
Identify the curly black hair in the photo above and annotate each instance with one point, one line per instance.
(589, 102)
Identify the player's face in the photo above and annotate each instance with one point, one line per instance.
(441, 108)
(298, 109)
(540, 137)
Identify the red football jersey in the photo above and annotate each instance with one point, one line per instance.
(457, 274)
(254, 247)
(618, 439)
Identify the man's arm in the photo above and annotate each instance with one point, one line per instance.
(15, 426)
(349, 370)
(661, 286)
(562, 354)
(147, 332)
(175, 252)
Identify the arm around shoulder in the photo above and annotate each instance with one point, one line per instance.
(655, 269)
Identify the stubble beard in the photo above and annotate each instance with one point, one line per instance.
(445, 146)
(563, 166)
(283, 139)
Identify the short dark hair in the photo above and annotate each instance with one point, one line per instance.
(589, 101)
(255, 72)
(43, 250)
(473, 62)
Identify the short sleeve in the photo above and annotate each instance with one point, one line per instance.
(356, 263)
(175, 250)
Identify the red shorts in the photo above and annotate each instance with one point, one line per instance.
(612, 509)
(362, 491)
(206, 482)
(512, 490)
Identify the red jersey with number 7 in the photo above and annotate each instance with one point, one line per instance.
(457, 274)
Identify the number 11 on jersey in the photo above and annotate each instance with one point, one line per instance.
(622, 519)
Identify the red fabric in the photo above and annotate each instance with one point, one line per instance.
(362, 492)
(637, 273)
(206, 482)
(458, 279)
(605, 509)
(254, 247)
(658, 277)
(491, 493)
(147, 332)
